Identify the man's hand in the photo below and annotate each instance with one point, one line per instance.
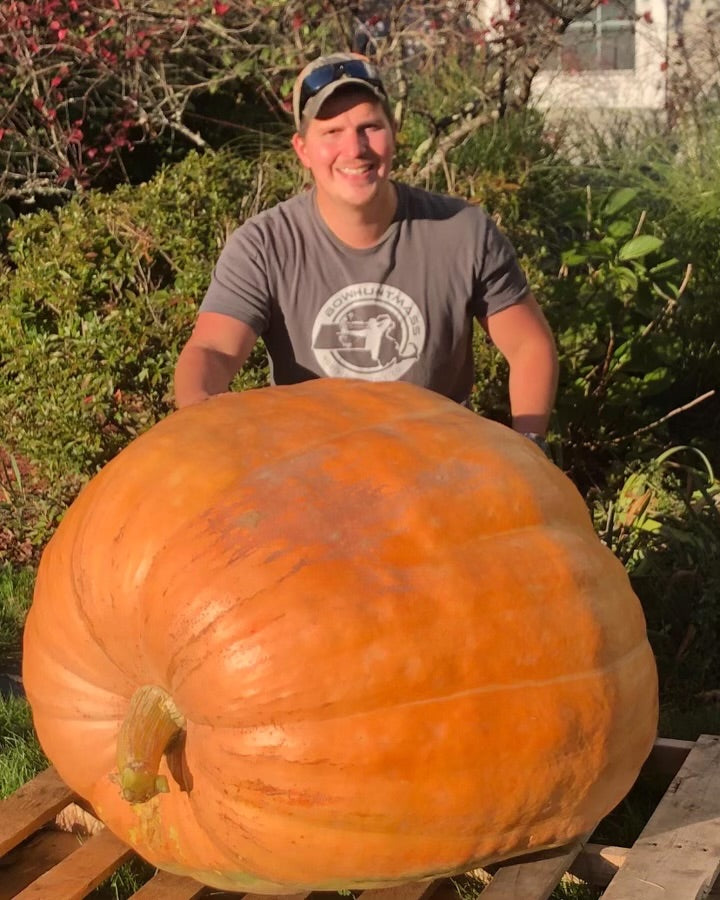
(539, 441)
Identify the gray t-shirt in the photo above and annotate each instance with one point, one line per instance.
(401, 310)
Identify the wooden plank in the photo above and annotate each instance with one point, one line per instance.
(533, 877)
(415, 890)
(26, 862)
(30, 807)
(263, 896)
(165, 886)
(447, 888)
(678, 852)
(218, 894)
(597, 864)
(82, 871)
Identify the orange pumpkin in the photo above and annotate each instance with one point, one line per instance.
(366, 635)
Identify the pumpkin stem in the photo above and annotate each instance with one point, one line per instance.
(152, 723)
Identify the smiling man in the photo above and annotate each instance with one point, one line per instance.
(364, 277)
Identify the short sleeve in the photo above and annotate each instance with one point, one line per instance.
(500, 280)
(239, 284)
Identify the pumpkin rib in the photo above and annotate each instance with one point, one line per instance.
(568, 678)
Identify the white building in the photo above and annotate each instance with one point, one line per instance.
(629, 55)
(614, 58)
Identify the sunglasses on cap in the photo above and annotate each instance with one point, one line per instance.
(318, 79)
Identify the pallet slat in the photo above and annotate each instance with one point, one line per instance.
(532, 879)
(31, 807)
(29, 860)
(678, 851)
(83, 870)
(597, 864)
(266, 896)
(164, 886)
(417, 890)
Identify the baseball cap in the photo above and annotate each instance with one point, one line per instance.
(324, 75)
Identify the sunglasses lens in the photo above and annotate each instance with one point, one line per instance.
(321, 77)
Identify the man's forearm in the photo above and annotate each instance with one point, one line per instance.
(533, 387)
(200, 373)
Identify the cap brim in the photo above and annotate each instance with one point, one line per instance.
(312, 108)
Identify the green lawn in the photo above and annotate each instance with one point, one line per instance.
(20, 754)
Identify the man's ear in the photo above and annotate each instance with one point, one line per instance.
(298, 144)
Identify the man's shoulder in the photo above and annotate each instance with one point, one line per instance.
(293, 210)
(419, 203)
(435, 212)
(269, 229)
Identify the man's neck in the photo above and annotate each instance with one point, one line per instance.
(360, 227)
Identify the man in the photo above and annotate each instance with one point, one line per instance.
(364, 277)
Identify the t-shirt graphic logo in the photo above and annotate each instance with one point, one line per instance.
(370, 331)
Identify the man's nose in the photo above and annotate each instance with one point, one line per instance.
(356, 142)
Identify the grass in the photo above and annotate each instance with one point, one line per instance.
(16, 586)
(470, 887)
(20, 755)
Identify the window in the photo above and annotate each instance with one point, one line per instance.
(602, 40)
(610, 60)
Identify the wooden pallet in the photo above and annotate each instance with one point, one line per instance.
(677, 856)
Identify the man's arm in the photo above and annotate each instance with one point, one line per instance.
(216, 351)
(522, 334)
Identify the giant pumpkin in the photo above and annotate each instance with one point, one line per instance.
(339, 634)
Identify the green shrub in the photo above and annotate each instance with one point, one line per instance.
(100, 295)
(676, 180)
(664, 525)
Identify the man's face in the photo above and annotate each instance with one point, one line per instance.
(348, 148)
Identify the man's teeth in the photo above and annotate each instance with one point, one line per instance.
(357, 170)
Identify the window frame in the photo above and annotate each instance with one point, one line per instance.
(593, 28)
(643, 87)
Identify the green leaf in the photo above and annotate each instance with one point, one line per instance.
(664, 266)
(598, 249)
(574, 257)
(656, 375)
(626, 277)
(618, 200)
(620, 228)
(640, 246)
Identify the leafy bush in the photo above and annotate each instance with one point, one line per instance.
(664, 525)
(676, 177)
(101, 295)
(615, 306)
